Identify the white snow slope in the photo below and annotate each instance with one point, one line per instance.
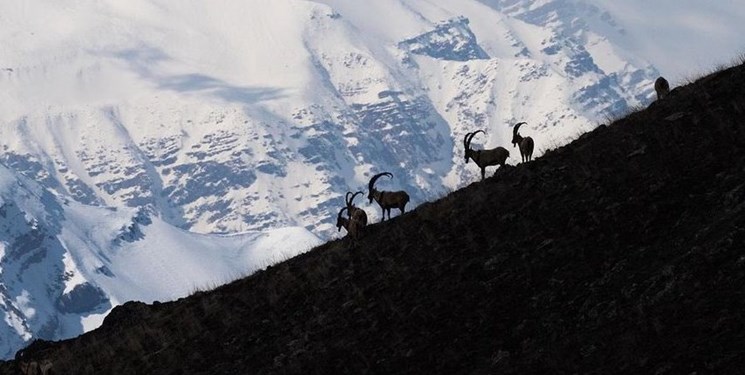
(227, 116)
(64, 265)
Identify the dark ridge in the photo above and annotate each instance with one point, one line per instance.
(621, 253)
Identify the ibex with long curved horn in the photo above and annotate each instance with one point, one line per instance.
(525, 143)
(355, 212)
(662, 87)
(484, 158)
(387, 199)
(352, 225)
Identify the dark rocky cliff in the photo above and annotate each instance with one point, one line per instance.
(622, 252)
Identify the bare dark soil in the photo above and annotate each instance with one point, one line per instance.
(621, 253)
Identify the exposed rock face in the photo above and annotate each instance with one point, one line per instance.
(618, 253)
(83, 298)
(450, 40)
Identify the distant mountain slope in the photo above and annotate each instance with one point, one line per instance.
(618, 253)
(234, 116)
(64, 265)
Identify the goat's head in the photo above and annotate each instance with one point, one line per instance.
(467, 142)
(662, 87)
(371, 184)
(516, 138)
(340, 221)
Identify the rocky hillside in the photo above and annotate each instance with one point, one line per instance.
(618, 253)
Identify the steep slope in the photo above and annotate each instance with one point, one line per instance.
(221, 121)
(64, 265)
(618, 253)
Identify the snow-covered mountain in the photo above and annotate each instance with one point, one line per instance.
(64, 265)
(228, 116)
(189, 124)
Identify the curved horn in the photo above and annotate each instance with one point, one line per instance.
(468, 141)
(346, 198)
(517, 126)
(371, 185)
(338, 218)
(351, 200)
